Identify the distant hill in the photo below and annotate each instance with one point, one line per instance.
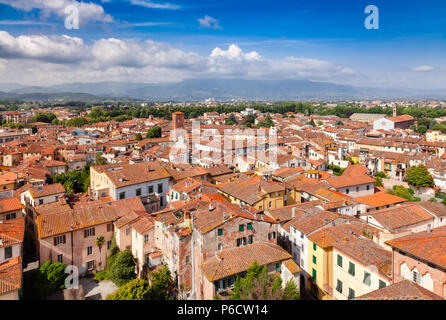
(220, 89)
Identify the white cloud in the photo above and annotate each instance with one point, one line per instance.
(423, 68)
(55, 49)
(155, 5)
(64, 59)
(209, 22)
(88, 11)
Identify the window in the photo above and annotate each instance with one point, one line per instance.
(219, 247)
(109, 242)
(150, 189)
(351, 268)
(313, 274)
(60, 258)
(40, 201)
(367, 278)
(314, 247)
(138, 192)
(416, 277)
(121, 195)
(277, 267)
(187, 259)
(8, 252)
(357, 189)
(244, 241)
(160, 188)
(249, 226)
(127, 231)
(90, 265)
(339, 286)
(249, 239)
(368, 187)
(382, 284)
(89, 232)
(109, 227)
(89, 250)
(59, 240)
(314, 259)
(10, 216)
(239, 242)
(347, 191)
(340, 260)
(219, 232)
(270, 204)
(351, 293)
(241, 227)
(146, 238)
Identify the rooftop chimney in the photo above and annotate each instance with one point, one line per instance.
(293, 212)
(429, 230)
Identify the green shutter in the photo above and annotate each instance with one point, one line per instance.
(314, 275)
(339, 286)
(351, 293)
(249, 239)
(314, 247)
(340, 260)
(249, 226)
(241, 227)
(314, 259)
(367, 278)
(351, 268)
(220, 232)
(382, 284)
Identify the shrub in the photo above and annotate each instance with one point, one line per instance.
(123, 268)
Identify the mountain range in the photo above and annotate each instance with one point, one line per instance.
(220, 89)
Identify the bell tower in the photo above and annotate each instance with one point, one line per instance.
(395, 109)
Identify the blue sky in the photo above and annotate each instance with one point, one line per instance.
(153, 41)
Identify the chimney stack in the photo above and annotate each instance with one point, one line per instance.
(293, 212)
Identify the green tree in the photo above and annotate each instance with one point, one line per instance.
(259, 285)
(231, 120)
(138, 137)
(419, 177)
(160, 283)
(405, 193)
(154, 132)
(99, 243)
(422, 129)
(311, 123)
(99, 159)
(113, 252)
(49, 278)
(137, 289)
(76, 122)
(47, 117)
(379, 182)
(266, 123)
(123, 268)
(34, 129)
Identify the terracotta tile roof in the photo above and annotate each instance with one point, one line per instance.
(10, 275)
(143, 225)
(7, 178)
(53, 207)
(206, 219)
(380, 199)
(12, 231)
(46, 190)
(428, 246)
(398, 218)
(292, 266)
(59, 223)
(122, 175)
(285, 213)
(310, 222)
(368, 253)
(234, 261)
(403, 290)
(10, 204)
(251, 191)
